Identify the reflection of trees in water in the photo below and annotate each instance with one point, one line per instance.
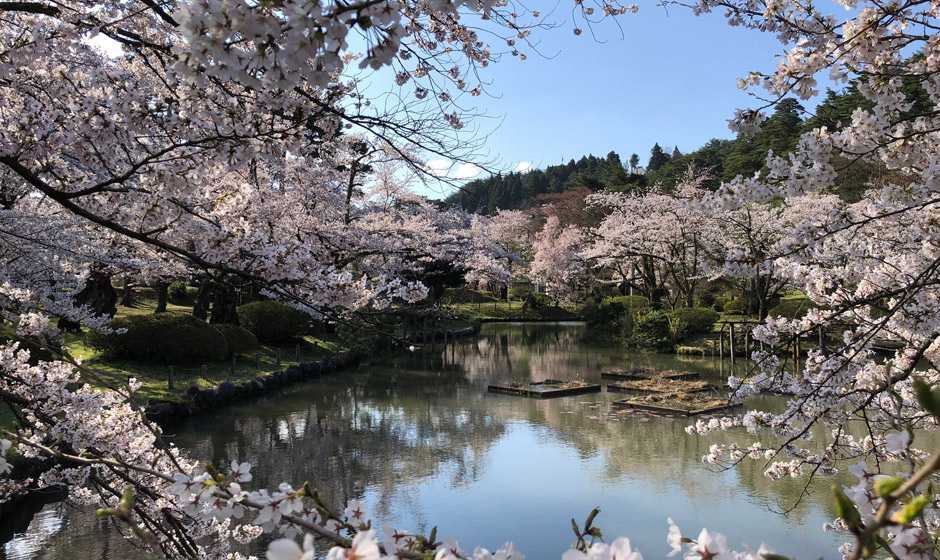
(387, 429)
(534, 352)
(378, 431)
(61, 531)
(661, 453)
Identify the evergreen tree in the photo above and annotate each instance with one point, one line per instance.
(634, 162)
(658, 158)
(613, 176)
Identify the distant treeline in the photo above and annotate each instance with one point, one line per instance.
(724, 158)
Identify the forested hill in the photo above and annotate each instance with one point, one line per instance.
(724, 158)
(517, 190)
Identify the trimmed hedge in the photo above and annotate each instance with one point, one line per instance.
(652, 331)
(240, 340)
(736, 306)
(697, 320)
(177, 291)
(272, 321)
(169, 338)
(792, 308)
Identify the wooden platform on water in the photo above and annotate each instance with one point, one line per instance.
(550, 388)
(663, 408)
(619, 388)
(638, 375)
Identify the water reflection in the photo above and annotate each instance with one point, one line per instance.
(421, 441)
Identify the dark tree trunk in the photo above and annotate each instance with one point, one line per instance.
(162, 297)
(98, 294)
(127, 293)
(203, 297)
(224, 303)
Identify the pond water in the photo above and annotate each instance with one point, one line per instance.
(420, 440)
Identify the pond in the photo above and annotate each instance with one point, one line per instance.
(423, 443)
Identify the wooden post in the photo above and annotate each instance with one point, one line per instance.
(316, 346)
(721, 343)
(731, 341)
(279, 356)
(234, 364)
(822, 340)
(258, 360)
(170, 378)
(433, 334)
(205, 370)
(747, 343)
(297, 353)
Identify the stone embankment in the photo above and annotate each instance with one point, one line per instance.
(198, 400)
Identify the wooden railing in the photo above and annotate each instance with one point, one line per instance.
(733, 331)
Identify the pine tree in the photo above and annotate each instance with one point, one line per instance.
(658, 158)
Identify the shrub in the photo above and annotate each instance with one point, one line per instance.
(520, 292)
(697, 320)
(607, 291)
(272, 321)
(635, 304)
(616, 313)
(170, 338)
(652, 331)
(792, 308)
(735, 306)
(177, 291)
(240, 340)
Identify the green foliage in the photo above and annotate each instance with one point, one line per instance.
(453, 296)
(272, 321)
(169, 338)
(606, 291)
(780, 133)
(616, 313)
(521, 291)
(635, 304)
(177, 291)
(516, 190)
(735, 306)
(696, 320)
(652, 331)
(539, 302)
(793, 308)
(240, 340)
(658, 158)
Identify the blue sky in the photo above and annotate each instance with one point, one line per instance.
(671, 79)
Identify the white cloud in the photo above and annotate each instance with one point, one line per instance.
(438, 167)
(467, 171)
(523, 166)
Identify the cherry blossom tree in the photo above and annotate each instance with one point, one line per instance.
(556, 262)
(657, 238)
(179, 145)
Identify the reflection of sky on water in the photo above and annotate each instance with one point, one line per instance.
(420, 439)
